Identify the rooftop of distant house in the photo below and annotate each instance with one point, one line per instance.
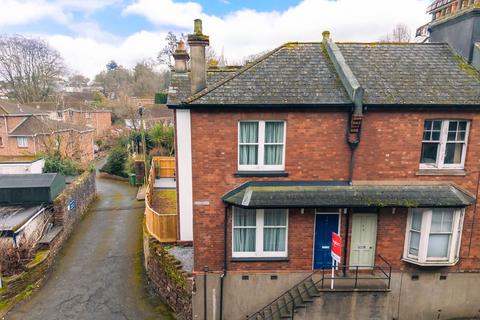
(13, 108)
(33, 126)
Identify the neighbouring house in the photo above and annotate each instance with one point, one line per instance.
(96, 118)
(27, 131)
(21, 164)
(78, 108)
(377, 142)
(25, 206)
(456, 22)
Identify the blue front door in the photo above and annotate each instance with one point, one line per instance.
(325, 224)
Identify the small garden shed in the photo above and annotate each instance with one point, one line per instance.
(30, 188)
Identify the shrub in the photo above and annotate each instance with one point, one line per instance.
(67, 167)
(116, 162)
(161, 98)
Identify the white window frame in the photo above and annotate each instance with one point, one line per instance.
(260, 166)
(454, 245)
(259, 228)
(442, 146)
(22, 142)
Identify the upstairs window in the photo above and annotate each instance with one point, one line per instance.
(22, 142)
(444, 144)
(261, 145)
(433, 236)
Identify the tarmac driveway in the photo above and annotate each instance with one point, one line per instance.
(98, 274)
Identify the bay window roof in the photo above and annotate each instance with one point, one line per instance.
(303, 194)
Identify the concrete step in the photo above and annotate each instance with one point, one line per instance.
(50, 237)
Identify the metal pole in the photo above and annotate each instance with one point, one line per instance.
(205, 269)
(356, 276)
(144, 145)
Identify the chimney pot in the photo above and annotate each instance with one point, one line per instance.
(326, 35)
(181, 57)
(197, 26)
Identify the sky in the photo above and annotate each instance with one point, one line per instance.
(89, 33)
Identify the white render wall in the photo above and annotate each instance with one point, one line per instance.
(184, 158)
(22, 167)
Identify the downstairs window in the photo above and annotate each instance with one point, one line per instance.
(433, 236)
(259, 233)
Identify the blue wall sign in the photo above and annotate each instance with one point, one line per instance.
(71, 205)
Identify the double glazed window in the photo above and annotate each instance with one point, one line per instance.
(261, 145)
(260, 233)
(433, 235)
(444, 144)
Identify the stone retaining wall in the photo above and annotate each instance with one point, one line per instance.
(168, 278)
(19, 286)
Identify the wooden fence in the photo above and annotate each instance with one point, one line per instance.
(164, 167)
(163, 227)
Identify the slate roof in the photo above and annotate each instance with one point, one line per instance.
(411, 74)
(299, 194)
(179, 89)
(33, 126)
(302, 74)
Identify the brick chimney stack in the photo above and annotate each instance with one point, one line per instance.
(197, 42)
(181, 57)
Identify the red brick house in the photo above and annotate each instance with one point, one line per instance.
(98, 119)
(26, 131)
(378, 142)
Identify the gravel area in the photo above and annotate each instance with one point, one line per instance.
(184, 255)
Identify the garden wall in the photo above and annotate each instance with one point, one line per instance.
(168, 278)
(82, 191)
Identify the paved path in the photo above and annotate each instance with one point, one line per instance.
(98, 274)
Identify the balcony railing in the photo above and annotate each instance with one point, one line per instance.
(162, 226)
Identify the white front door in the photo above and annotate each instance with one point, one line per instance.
(364, 238)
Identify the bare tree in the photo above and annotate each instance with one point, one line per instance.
(29, 68)
(401, 33)
(165, 56)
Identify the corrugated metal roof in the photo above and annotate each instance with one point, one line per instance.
(14, 217)
(297, 194)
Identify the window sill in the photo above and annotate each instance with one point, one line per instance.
(256, 259)
(261, 174)
(441, 172)
(431, 263)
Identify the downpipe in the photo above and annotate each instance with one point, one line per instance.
(224, 273)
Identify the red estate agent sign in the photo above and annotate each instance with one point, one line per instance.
(336, 247)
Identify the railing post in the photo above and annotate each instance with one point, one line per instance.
(356, 276)
(323, 276)
(389, 276)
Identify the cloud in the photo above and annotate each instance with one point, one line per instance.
(89, 56)
(14, 12)
(20, 12)
(239, 33)
(244, 32)
(166, 12)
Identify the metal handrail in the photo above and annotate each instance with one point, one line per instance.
(321, 271)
